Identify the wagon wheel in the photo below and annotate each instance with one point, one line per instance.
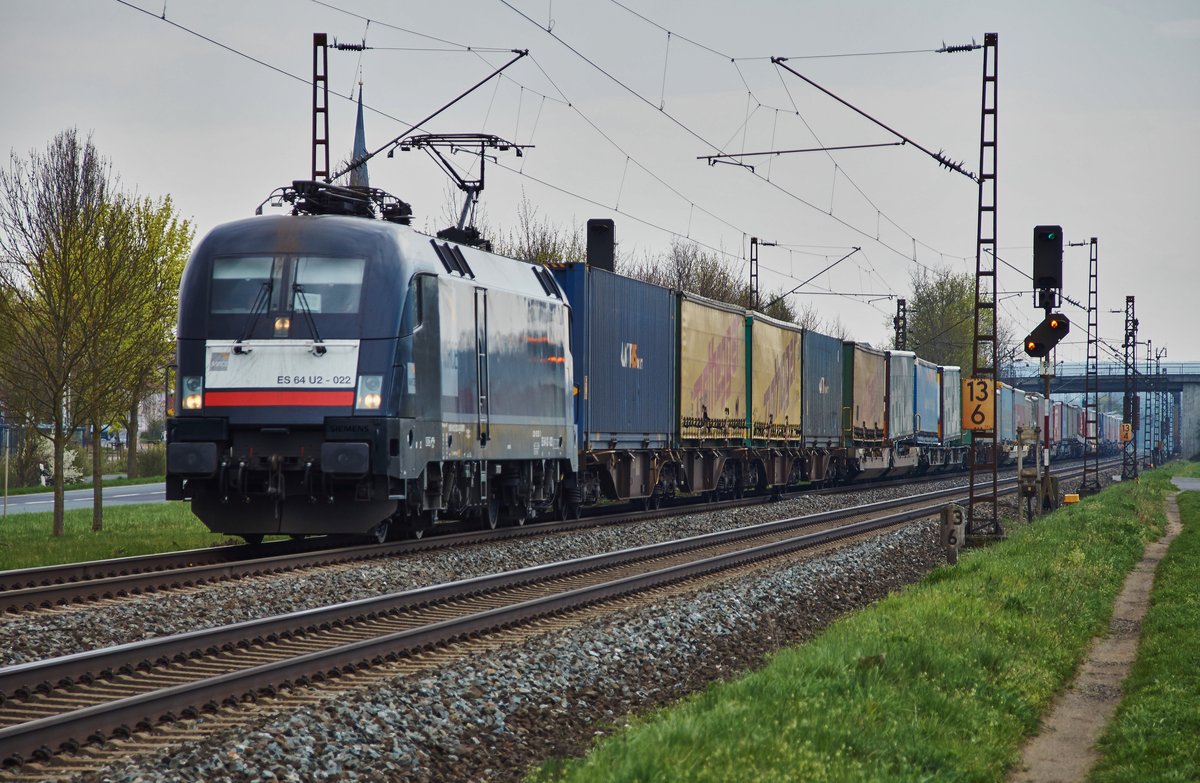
(379, 534)
(419, 525)
(253, 539)
(567, 510)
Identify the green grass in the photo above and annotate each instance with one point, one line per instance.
(1155, 734)
(25, 539)
(974, 654)
(118, 482)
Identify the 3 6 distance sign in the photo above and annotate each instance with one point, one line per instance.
(978, 404)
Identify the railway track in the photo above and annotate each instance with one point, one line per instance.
(65, 703)
(51, 586)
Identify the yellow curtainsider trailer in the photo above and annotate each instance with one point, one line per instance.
(775, 400)
(712, 371)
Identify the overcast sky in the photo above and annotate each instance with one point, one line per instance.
(1099, 123)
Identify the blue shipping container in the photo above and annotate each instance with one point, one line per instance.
(821, 389)
(623, 341)
(926, 401)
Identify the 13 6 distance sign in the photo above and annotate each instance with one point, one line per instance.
(978, 405)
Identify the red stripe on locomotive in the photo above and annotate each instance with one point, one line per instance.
(217, 399)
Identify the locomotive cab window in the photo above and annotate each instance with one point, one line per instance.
(327, 285)
(238, 284)
(300, 295)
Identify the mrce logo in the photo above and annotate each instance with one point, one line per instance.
(629, 356)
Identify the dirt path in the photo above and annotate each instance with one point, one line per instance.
(1063, 751)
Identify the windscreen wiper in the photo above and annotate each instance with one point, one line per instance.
(258, 308)
(302, 303)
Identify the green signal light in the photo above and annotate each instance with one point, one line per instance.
(1050, 235)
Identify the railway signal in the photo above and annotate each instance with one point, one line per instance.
(1047, 334)
(1047, 256)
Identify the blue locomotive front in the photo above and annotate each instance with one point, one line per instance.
(347, 375)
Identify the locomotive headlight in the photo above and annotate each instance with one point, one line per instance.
(370, 392)
(193, 392)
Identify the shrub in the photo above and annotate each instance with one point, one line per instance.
(152, 460)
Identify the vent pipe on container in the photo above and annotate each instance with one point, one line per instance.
(602, 243)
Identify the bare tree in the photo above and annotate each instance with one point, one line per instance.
(687, 267)
(51, 209)
(538, 241)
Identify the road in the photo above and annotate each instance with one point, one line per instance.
(82, 498)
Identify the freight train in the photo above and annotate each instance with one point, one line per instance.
(339, 374)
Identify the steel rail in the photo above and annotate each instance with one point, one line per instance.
(48, 586)
(41, 737)
(26, 678)
(22, 679)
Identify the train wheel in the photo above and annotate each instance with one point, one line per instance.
(380, 534)
(253, 539)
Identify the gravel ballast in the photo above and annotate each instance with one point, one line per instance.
(81, 627)
(490, 717)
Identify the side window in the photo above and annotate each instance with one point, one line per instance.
(413, 313)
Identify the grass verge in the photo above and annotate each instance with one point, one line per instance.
(25, 539)
(1153, 735)
(941, 682)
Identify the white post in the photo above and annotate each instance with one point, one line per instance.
(7, 448)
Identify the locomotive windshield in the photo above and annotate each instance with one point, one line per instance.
(318, 284)
(328, 285)
(238, 283)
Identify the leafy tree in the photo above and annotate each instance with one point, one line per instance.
(162, 242)
(88, 280)
(941, 318)
(51, 210)
(132, 285)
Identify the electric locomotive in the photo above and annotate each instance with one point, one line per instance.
(338, 374)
